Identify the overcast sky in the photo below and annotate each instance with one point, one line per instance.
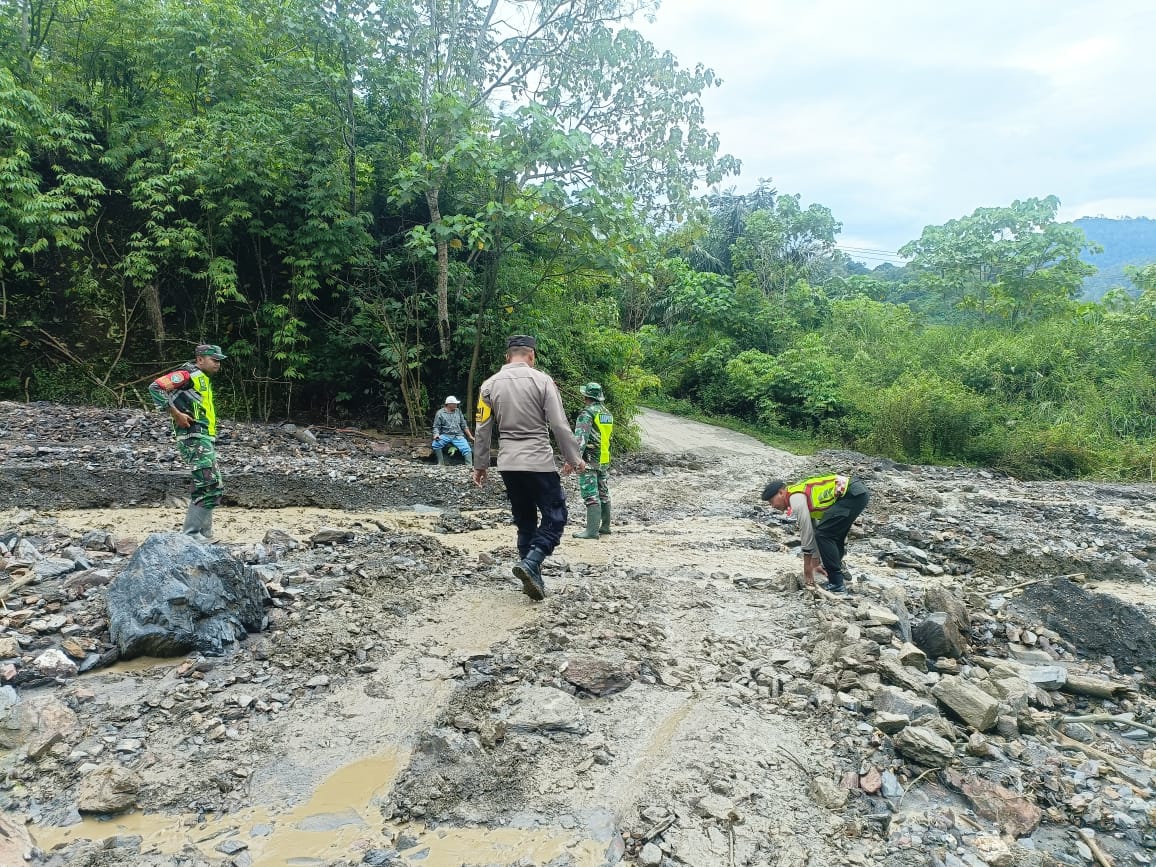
(897, 115)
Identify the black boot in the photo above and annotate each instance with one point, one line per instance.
(529, 570)
(604, 527)
(524, 544)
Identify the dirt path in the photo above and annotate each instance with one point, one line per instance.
(681, 741)
(406, 703)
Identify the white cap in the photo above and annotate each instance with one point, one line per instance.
(452, 399)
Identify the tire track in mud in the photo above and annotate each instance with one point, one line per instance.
(660, 592)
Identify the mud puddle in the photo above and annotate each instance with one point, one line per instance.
(340, 820)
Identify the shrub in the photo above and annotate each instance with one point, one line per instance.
(924, 418)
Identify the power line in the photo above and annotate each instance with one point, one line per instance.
(895, 253)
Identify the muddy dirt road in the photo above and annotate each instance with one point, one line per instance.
(407, 704)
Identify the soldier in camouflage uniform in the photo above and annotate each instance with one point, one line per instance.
(187, 395)
(592, 430)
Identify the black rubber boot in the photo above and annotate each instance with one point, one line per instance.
(604, 527)
(593, 514)
(529, 571)
(524, 543)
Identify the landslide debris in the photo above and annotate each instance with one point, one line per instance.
(983, 697)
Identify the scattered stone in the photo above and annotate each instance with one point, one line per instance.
(331, 536)
(544, 709)
(925, 747)
(598, 677)
(937, 635)
(108, 789)
(827, 794)
(971, 704)
(54, 663)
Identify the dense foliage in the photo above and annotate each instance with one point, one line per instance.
(361, 200)
(358, 200)
(977, 351)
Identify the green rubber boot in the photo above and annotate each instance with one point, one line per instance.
(441, 456)
(592, 515)
(198, 523)
(604, 527)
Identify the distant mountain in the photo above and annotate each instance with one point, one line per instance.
(1129, 241)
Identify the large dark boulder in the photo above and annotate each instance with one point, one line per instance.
(177, 595)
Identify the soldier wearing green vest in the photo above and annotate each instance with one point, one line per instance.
(592, 430)
(825, 507)
(187, 395)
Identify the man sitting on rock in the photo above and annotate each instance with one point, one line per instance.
(450, 429)
(825, 507)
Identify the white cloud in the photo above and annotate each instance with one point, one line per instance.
(1138, 206)
(905, 114)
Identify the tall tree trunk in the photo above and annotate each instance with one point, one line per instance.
(443, 277)
(489, 286)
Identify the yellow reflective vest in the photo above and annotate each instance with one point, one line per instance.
(203, 408)
(821, 493)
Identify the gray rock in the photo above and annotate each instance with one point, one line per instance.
(599, 677)
(543, 708)
(650, 856)
(1030, 655)
(108, 789)
(330, 536)
(53, 567)
(828, 794)
(942, 599)
(54, 663)
(889, 700)
(38, 718)
(1048, 677)
(924, 747)
(892, 671)
(890, 786)
(177, 595)
(912, 657)
(937, 635)
(890, 723)
(970, 703)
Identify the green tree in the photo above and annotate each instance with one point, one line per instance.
(1014, 263)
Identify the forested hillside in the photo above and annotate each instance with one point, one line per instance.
(1123, 242)
(359, 201)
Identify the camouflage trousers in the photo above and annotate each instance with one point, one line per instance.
(199, 453)
(593, 484)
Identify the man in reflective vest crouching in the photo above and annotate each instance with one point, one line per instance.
(825, 507)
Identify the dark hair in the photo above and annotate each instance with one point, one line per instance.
(772, 488)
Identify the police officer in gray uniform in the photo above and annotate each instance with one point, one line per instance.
(525, 405)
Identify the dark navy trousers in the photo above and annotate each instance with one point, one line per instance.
(532, 494)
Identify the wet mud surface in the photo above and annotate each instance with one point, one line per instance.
(407, 704)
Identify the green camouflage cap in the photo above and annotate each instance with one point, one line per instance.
(209, 349)
(592, 390)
